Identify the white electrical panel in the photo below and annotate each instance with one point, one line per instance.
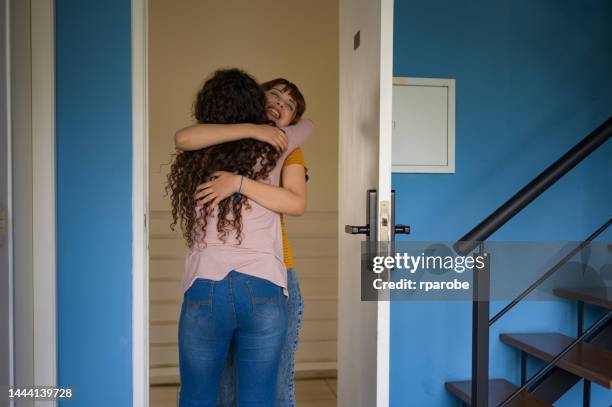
(423, 125)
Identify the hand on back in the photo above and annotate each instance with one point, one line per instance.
(222, 185)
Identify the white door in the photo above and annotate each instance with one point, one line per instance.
(366, 83)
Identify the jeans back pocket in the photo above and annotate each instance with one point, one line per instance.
(198, 299)
(265, 297)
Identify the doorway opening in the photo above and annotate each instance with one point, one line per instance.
(297, 41)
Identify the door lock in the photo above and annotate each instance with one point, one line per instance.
(371, 218)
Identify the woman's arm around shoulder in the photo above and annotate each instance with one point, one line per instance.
(298, 133)
(205, 135)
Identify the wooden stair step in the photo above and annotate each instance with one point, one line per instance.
(499, 390)
(599, 296)
(585, 360)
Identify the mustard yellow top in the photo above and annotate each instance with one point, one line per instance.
(296, 157)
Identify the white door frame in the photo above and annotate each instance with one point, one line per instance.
(43, 191)
(37, 307)
(384, 190)
(8, 215)
(140, 209)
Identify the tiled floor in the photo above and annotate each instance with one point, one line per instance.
(308, 392)
(316, 392)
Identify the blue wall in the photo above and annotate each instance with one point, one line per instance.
(94, 236)
(532, 79)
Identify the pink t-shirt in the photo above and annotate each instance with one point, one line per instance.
(261, 252)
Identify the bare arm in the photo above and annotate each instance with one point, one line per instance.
(289, 199)
(205, 135)
(298, 133)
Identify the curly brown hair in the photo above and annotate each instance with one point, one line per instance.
(229, 96)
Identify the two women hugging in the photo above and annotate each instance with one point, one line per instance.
(240, 168)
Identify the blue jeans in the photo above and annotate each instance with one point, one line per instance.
(250, 312)
(285, 393)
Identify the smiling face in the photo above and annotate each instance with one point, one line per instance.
(280, 105)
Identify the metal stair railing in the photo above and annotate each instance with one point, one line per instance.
(481, 232)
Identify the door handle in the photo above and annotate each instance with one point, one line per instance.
(396, 229)
(402, 230)
(357, 230)
(365, 230)
(371, 218)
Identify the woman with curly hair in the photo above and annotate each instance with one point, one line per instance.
(285, 105)
(235, 282)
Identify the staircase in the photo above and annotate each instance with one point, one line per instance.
(586, 358)
(499, 390)
(591, 361)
